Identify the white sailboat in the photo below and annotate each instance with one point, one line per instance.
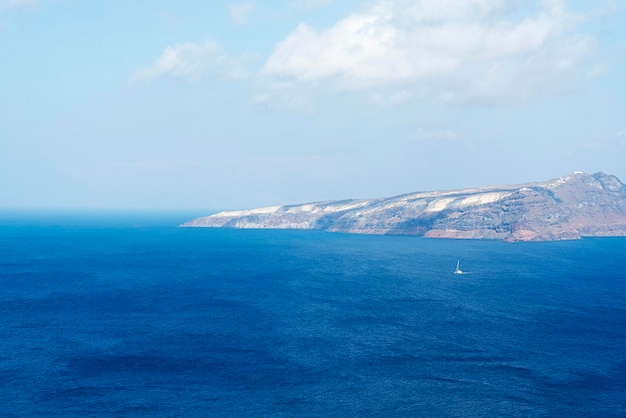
(458, 270)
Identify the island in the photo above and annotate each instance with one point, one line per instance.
(569, 207)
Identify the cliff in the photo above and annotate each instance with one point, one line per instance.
(570, 207)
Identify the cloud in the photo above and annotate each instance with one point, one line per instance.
(185, 60)
(239, 13)
(452, 50)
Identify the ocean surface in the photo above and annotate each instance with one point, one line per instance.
(128, 315)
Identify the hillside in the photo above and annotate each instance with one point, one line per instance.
(569, 207)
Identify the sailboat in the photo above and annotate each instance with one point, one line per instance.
(458, 270)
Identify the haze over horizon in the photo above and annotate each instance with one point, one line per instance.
(242, 104)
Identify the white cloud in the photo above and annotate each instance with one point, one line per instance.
(191, 61)
(240, 12)
(186, 60)
(453, 50)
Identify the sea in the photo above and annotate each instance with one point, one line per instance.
(126, 314)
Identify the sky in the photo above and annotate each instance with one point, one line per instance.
(231, 105)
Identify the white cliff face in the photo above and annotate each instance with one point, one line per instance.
(239, 213)
(567, 207)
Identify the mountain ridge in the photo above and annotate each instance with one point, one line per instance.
(569, 207)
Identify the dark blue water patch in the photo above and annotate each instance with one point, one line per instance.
(155, 320)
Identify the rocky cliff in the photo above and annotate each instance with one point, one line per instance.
(570, 207)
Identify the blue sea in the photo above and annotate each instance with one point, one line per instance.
(124, 314)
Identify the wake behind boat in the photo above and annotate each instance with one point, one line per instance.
(458, 270)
